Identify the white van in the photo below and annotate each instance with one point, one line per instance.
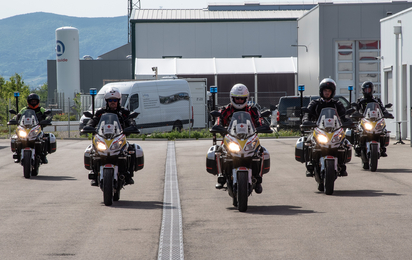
(163, 105)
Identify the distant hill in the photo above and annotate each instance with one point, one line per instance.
(29, 40)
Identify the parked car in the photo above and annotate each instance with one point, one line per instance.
(286, 115)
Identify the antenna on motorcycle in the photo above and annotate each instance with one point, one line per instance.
(16, 95)
(93, 93)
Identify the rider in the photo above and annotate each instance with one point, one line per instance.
(239, 97)
(327, 90)
(367, 91)
(33, 102)
(113, 99)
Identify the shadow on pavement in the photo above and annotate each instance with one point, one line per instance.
(136, 204)
(362, 193)
(285, 210)
(52, 178)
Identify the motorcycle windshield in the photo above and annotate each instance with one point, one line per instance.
(241, 125)
(28, 119)
(373, 111)
(329, 119)
(109, 126)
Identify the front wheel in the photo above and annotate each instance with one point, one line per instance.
(35, 170)
(27, 164)
(108, 186)
(374, 157)
(329, 176)
(242, 190)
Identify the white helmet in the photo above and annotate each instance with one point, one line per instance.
(239, 91)
(112, 93)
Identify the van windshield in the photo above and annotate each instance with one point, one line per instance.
(100, 102)
(289, 102)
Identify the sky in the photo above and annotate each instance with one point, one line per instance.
(108, 8)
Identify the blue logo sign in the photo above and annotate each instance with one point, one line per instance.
(59, 48)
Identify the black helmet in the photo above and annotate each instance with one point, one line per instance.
(327, 83)
(367, 89)
(33, 96)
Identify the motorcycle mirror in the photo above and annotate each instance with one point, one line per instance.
(131, 130)
(348, 124)
(389, 105)
(356, 115)
(218, 129)
(12, 122)
(88, 130)
(133, 115)
(87, 114)
(350, 111)
(266, 113)
(264, 129)
(215, 113)
(11, 111)
(45, 122)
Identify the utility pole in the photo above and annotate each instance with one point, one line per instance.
(132, 5)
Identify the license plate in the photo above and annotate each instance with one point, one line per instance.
(294, 118)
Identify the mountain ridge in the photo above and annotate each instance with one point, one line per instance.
(29, 40)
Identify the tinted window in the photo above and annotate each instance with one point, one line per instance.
(288, 102)
(134, 102)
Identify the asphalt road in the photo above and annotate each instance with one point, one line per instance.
(58, 215)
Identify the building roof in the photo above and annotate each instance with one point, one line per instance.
(215, 66)
(158, 15)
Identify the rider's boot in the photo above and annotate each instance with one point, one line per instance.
(258, 185)
(44, 159)
(128, 179)
(383, 152)
(93, 178)
(16, 157)
(357, 151)
(221, 180)
(343, 171)
(309, 170)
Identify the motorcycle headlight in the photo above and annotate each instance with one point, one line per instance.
(251, 146)
(22, 133)
(323, 139)
(379, 126)
(233, 147)
(368, 126)
(337, 138)
(101, 146)
(117, 145)
(34, 132)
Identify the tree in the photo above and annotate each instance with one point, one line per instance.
(42, 91)
(7, 89)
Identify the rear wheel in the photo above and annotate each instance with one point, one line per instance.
(329, 176)
(242, 190)
(374, 157)
(108, 186)
(27, 164)
(177, 126)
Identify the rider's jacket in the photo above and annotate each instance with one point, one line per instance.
(39, 113)
(316, 106)
(122, 114)
(363, 102)
(227, 112)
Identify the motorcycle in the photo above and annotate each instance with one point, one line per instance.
(326, 150)
(110, 156)
(371, 135)
(240, 158)
(30, 142)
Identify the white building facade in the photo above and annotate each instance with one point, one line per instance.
(396, 70)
